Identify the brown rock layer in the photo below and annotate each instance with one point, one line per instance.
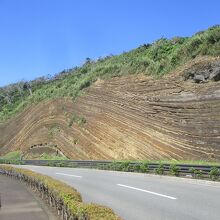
(132, 117)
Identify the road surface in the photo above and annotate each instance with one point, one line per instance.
(140, 196)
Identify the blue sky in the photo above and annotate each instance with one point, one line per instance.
(40, 37)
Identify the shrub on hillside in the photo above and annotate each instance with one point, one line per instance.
(156, 59)
(144, 168)
(174, 170)
(160, 169)
(214, 173)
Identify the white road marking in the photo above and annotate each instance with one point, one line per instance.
(65, 174)
(146, 191)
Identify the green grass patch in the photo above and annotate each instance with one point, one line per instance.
(193, 162)
(79, 120)
(15, 155)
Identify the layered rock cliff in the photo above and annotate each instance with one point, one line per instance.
(132, 117)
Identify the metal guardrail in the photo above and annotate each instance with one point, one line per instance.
(184, 169)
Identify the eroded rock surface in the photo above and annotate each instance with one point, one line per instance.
(203, 72)
(134, 117)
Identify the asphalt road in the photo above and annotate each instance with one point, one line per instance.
(140, 196)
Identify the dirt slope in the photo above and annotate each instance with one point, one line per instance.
(134, 117)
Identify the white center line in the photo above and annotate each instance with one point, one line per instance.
(146, 191)
(65, 174)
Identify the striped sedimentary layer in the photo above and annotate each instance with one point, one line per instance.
(133, 117)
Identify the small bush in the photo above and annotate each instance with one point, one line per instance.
(160, 169)
(125, 166)
(115, 166)
(174, 170)
(71, 122)
(214, 173)
(137, 168)
(51, 164)
(80, 120)
(196, 173)
(144, 168)
(192, 171)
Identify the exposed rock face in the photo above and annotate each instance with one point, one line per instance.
(133, 117)
(38, 151)
(203, 72)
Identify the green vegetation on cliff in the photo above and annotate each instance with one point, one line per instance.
(14, 155)
(155, 59)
